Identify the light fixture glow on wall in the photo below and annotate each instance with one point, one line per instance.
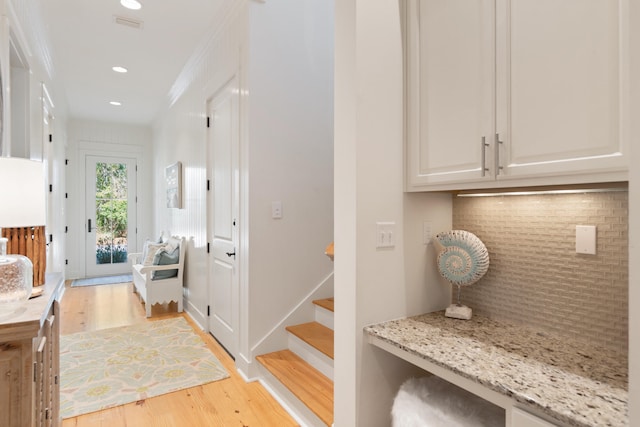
(119, 69)
(131, 4)
(116, 103)
(541, 192)
(22, 204)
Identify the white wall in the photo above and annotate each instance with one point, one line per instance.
(373, 285)
(290, 139)
(179, 134)
(21, 21)
(102, 138)
(283, 53)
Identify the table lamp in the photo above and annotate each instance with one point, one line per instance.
(22, 204)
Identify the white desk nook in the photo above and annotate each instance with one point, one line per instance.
(538, 379)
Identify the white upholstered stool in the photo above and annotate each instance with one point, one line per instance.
(433, 402)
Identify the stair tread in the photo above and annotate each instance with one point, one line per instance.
(307, 383)
(326, 303)
(316, 335)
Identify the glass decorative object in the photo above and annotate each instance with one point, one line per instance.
(16, 281)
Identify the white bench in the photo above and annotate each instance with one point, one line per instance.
(158, 291)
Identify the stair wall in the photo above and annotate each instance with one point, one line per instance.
(278, 338)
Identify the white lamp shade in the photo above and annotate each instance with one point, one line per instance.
(22, 193)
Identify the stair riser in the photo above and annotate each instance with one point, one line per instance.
(298, 410)
(324, 317)
(312, 356)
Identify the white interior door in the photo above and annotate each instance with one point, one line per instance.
(223, 139)
(110, 218)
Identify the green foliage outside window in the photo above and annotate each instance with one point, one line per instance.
(111, 212)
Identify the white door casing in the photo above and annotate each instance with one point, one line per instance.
(223, 140)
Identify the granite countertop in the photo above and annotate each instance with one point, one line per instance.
(571, 382)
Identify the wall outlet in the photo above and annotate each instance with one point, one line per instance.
(586, 239)
(276, 210)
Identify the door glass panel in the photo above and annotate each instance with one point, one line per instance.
(111, 213)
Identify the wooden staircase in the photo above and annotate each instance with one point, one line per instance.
(302, 375)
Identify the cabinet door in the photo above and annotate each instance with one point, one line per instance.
(11, 392)
(54, 376)
(449, 91)
(46, 387)
(40, 387)
(561, 87)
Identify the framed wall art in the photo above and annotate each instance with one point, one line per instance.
(173, 175)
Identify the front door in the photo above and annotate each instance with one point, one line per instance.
(110, 221)
(223, 140)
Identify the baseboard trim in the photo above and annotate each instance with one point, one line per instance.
(196, 315)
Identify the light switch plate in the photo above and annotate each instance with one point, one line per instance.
(276, 210)
(385, 234)
(586, 239)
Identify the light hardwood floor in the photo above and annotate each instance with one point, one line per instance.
(230, 402)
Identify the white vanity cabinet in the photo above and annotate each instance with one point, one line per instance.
(506, 93)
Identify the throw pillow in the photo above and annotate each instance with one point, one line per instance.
(171, 244)
(162, 257)
(150, 249)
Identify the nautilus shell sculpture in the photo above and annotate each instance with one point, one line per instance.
(462, 259)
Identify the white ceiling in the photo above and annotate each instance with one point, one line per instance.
(85, 43)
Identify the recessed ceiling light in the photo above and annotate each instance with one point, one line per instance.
(119, 69)
(115, 103)
(131, 4)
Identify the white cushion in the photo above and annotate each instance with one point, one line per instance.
(150, 251)
(433, 402)
(172, 244)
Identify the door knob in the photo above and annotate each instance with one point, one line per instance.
(231, 254)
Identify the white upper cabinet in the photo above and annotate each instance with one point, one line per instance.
(450, 89)
(515, 92)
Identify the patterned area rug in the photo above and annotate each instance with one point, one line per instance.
(105, 280)
(111, 367)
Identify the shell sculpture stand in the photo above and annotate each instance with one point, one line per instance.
(462, 260)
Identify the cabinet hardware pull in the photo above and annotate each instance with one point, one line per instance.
(498, 143)
(484, 146)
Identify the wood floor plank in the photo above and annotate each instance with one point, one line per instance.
(316, 335)
(326, 303)
(309, 385)
(225, 403)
